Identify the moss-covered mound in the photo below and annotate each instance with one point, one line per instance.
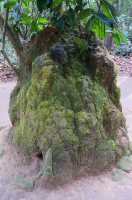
(70, 112)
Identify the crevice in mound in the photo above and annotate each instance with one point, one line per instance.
(39, 155)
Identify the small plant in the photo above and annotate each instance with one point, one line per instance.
(112, 143)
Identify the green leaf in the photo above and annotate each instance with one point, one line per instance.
(61, 23)
(34, 26)
(9, 4)
(16, 29)
(95, 25)
(112, 143)
(124, 39)
(10, 18)
(25, 4)
(40, 27)
(80, 43)
(41, 4)
(42, 20)
(85, 13)
(103, 18)
(56, 3)
(25, 18)
(79, 2)
(71, 18)
(116, 38)
(109, 10)
(89, 22)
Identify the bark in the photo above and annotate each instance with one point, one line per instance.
(108, 42)
(108, 39)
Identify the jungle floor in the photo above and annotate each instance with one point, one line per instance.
(19, 180)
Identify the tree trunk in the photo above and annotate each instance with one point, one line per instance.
(13, 37)
(108, 40)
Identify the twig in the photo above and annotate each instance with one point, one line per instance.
(3, 45)
(4, 28)
(98, 5)
(14, 69)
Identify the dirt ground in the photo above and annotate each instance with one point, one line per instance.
(19, 179)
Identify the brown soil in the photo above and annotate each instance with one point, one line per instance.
(6, 74)
(124, 64)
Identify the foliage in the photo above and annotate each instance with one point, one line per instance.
(124, 22)
(94, 15)
(124, 49)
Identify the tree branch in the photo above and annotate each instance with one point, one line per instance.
(13, 37)
(4, 28)
(16, 72)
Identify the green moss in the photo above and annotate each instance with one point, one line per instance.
(75, 68)
(115, 95)
(14, 111)
(68, 116)
(48, 164)
(100, 96)
(115, 68)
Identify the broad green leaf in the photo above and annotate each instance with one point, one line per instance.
(95, 25)
(79, 2)
(42, 20)
(101, 30)
(25, 4)
(89, 22)
(34, 26)
(85, 13)
(73, 21)
(109, 10)
(61, 23)
(41, 4)
(103, 18)
(25, 18)
(71, 18)
(116, 38)
(56, 3)
(40, 27)
(9, 4)
(124, 39)
(10, 18)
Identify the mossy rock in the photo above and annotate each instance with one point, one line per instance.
(69, 112)
(125, 163)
